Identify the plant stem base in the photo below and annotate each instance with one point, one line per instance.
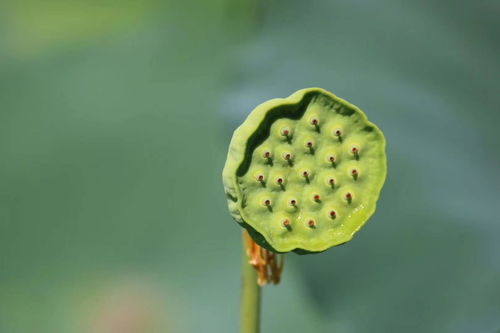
(250, 295)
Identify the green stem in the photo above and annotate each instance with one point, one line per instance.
(250, 297)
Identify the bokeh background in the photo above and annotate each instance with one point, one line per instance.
(115, 117)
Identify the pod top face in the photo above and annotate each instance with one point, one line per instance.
(304, 173)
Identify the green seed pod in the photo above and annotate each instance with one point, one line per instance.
(304, 173)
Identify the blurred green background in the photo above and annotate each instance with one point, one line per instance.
(115, 117)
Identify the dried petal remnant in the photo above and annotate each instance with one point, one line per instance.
(268, 265)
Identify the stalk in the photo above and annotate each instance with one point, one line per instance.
(250, 296)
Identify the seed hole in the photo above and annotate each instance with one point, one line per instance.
(331, 182)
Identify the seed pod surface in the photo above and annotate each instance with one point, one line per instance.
(322, 153)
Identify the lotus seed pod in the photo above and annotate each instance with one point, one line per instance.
(304, 173)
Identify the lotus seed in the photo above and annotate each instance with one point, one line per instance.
(320, 170)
